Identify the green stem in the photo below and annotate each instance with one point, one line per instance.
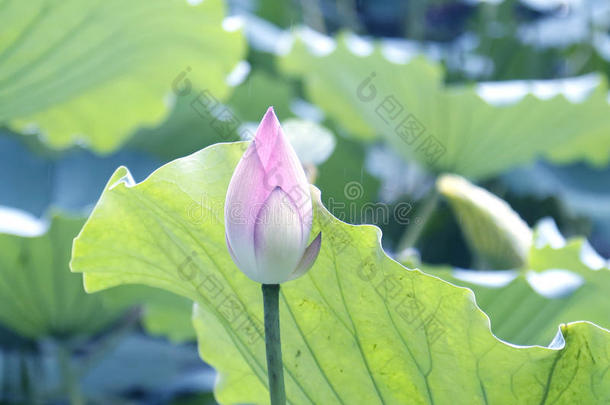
(416, 13)
(424, 213)
(27, 388)
(70, 380)
(275, 368)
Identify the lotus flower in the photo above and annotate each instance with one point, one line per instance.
(268, 209)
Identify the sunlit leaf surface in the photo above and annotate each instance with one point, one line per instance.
(38, 295)
(476, 131)
(93, 72)
(358, 328)
(526, 305)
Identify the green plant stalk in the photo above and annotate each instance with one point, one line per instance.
(275, 368)
(409, 238)
(416, 13)
(70, 380)
(26, 382)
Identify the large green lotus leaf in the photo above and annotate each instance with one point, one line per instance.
(337, 82)
(38, 294)
(551, 250)
(162, 313)
(168, 315)
(449, 128)
(191, 126)
(357, 328)
(39, 297)
(93, 72)
(578, 257)
(520, 314)
(495, 233)
(526, 308)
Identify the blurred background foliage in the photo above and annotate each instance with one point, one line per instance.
(513, 93)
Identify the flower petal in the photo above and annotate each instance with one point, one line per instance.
(282, 167)
(309, 257)
(245, 197)
(277, 238)
(267, 134)
(268, 182)
(231, 252)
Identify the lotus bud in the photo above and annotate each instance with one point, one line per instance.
(268, 209)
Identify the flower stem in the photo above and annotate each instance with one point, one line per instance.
(275, 368)
(70, 379)
(427, 207)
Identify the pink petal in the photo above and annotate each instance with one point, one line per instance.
(282, 167)
(269, 171)
(245, 197)
(309, 257)
(277, 238)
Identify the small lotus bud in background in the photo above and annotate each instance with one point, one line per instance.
(268, 209)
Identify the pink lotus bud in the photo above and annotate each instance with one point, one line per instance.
(268, 210)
